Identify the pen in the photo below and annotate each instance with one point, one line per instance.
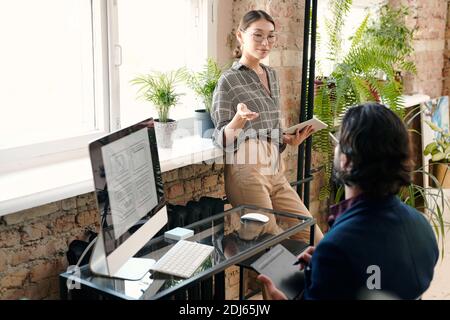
(301, 260)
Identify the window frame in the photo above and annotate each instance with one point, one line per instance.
(106, 60)
(53, 150)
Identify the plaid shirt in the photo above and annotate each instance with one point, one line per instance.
(242, 84)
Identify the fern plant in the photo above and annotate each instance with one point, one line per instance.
(431, 201)
(355, 78)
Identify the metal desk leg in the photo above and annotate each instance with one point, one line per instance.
(219, 286)
(241, 283)
(63, 294)
(311, 235)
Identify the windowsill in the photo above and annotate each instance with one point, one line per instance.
(43, 184)
(40, 185)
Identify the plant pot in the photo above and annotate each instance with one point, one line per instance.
(164, 132)
(203, 125)
(442, 173)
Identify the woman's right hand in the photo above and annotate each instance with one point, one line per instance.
(244, 113)
(306, 256)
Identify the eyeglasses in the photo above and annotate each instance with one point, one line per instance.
(259, 37)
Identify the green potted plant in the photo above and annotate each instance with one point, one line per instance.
(439, 150)
(355, 77)
(203, 84)
(159, 89)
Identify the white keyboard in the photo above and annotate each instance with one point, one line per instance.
(183, 258)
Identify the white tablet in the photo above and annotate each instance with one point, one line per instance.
(314, 122)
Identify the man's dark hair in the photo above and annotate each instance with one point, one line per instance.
(376, 143)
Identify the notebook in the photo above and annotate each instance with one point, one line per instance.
(277, 264)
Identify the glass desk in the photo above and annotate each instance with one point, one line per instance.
(225, 231)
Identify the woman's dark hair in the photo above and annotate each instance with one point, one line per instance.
(246, 21)
(376, 143)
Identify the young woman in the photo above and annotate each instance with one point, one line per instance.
(247, 118)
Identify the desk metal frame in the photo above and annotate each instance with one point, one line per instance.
(216, 270)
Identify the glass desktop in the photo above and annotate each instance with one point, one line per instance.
(224, 231)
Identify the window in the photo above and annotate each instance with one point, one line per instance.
(162, 38)
(356, 15)
(47, 80)
(66, 67)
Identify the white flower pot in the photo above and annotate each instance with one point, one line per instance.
(164, 132)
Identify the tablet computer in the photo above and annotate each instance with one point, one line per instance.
(278, 264)
(314, 122)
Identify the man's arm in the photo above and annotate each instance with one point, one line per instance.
(329, 276)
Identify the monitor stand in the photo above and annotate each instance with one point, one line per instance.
(133, 269)
(120, 263)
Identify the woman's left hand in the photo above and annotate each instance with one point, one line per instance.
(299, 136)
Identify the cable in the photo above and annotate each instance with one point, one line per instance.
(77, 266)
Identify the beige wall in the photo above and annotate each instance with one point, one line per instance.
(446, 71)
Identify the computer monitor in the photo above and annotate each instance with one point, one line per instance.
(130, 199)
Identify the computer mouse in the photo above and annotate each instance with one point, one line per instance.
(258, 217)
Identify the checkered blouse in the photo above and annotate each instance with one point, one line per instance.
(242, 84)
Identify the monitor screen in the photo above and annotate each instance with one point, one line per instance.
(128, 183)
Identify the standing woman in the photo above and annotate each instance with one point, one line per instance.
(247, 118)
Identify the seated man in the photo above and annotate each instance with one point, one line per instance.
(377, 244)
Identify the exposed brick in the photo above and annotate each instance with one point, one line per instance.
(54, 288)
(19, 256)
(232, 293)
(31, 214)
(54, 247)
(14, 279)
(210, 181)
(291, 58)
(175, 190)
(87, 218)
(189, 186)
(3, 260)
(68, 204)
(12, 294)
(43, 270)
(200, 169)
(9, 238)
(232, 276)
(170, 176)
(64, 224)
(198, 184)
(34, 232)
(186, 172)
(84, 200)
(38, 291)
(275, 58)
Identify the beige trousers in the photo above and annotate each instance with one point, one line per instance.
(256, 177)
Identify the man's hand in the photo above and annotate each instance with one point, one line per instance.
(299, 136)
(273, 293)
(306, 256)
(245, 113)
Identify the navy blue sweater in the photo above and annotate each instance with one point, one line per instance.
(382, 243)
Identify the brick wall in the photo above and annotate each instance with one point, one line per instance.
(446, 72)
(34, 242)
(429, 18)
